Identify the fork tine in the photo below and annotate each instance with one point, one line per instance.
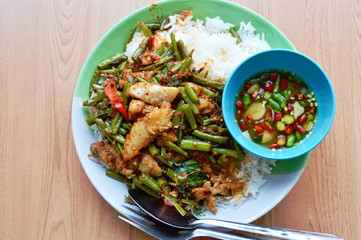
(137, 213)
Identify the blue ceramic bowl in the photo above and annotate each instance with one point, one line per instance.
(307, 70)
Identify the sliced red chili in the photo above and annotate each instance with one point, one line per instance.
(269, 86)
(312, 110)
(239, 104)
(289, 129)
(150, 42)
(281, 140)
(254, 95)
(258, 128)
(299, 96)
(115, 99)
(247, 85)
(277, 117)
(296, 85)
(266, 125)
(273, 145)
(242, 124)
(302, 119)
(272, 76)
(249, 118)
(300, 129)
(289, 108)
(283, 84)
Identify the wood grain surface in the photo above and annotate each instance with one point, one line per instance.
(44, 192)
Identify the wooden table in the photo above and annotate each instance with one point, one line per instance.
(44, 192)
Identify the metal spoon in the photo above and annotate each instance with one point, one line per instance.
(170, 216)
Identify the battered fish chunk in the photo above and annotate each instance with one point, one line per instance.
(146, 129)
(149, 165)
(153, 93)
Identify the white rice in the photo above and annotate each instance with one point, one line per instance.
(217, 51)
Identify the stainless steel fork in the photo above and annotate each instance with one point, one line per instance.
(134, 216)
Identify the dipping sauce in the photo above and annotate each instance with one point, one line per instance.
(276, 108)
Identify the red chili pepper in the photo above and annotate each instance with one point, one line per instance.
(277, 117)
(301, 119)
(269, 86)
(239, 104)
(281, 140)
(266, 125)
(154, 57)
(150, 42)
(273, 145)
(115, 99)
(292, 101)
(296, 85)
(283, 84)
(249, 118)
(299, 96)
(289, 129)
(289, 108)
(258, 128)
(300, 129)
(254, 95)
(312, 110)
(242, 125)
(247, 85)
(272, 76)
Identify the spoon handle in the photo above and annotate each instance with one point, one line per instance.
(283, 233)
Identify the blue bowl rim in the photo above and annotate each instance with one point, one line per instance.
(262, 151)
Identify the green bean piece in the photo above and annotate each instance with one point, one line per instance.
(274, 105)
(126, 86)
(234, 34)
(94, 100)
(183, 50)
(290, 140)
(178, 111)
(141, 80)
(192, 95)
(161, 182)
(148, 68)
(163, 60)
(102, 126)
(160, 51)
(153, 26)
(130, 37)
(222, 159)
(97, 87)
(91, 119)
(122, 131)
(177, 149)
(185, 65)
(163, 160)
(109, 71)
(153, 80)
(263, 77)
(228, 152)
(188, 101)
(281, 100)
(141, 49)
(207, 82)
(210, 137)
(149, 182)
(146, 31)
(193, 144)
(114, 175)
(146, 189)
(277, 84)
(127, 126)
(118, 138)
(180, 130)
(246, 100)
(163, 151)
(124, 97)
(206, 91)
(95, 79)
(165, 21)
(189, 115)
(177, 206)
(207, 121)
(122, 66)
(153, 150)
(240, 152)
(174, 176)
(116, 122)
(212, 159)
(175, 47)
(121, 148)
(286, 94)
(120, 57)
